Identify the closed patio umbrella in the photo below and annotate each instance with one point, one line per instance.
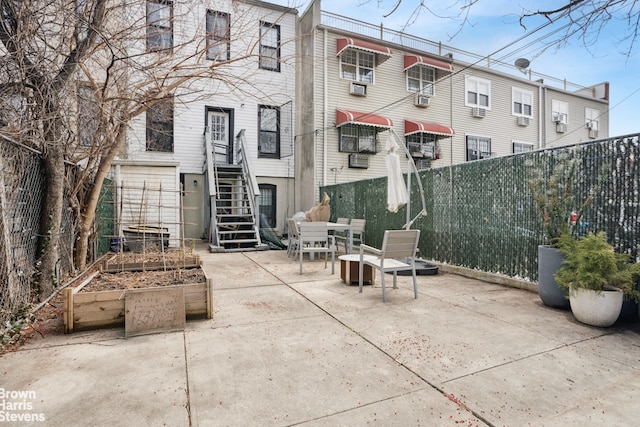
(397, 195)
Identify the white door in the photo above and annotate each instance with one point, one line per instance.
(219, 132)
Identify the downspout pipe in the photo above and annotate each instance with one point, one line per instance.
(325, 106)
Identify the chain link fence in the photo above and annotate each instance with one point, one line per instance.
(21, 187)
(481, 215)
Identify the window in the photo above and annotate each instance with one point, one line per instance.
(357, 65)
(269, 138)
(478, 147)
(591, 118)
(159, 25)
(267, 205)
(522, 147)
(218, 36)
(478, 92)
(559, 111)
(422, 145)
(522, 102)
(160, 126)
(270, 46)
(358, 139)
(88, 117)
(420, 79)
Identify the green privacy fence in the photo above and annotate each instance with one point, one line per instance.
(481, 215)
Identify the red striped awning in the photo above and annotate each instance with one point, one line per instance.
(413, 60)
(344, 117)
(414, 126)
(383, 52)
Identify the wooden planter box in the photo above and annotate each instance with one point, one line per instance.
(112, 265)
(106, 309)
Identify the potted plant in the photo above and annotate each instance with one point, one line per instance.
(554, 201)
(596, 278)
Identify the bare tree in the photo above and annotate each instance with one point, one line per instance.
(586, 18)
(78, 72)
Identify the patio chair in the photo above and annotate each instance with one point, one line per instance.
(340, 234)
(398, 253)
(294, 237)
(314, 238)
(357, 227)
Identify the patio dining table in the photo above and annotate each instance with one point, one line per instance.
(334, 226)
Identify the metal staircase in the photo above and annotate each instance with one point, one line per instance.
(233, 195)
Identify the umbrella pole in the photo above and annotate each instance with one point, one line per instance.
(412, 168)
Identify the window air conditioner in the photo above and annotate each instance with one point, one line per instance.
(478, 112)
(523, 121)
(358, 161)
(593, 133)
(589, 125)
(422, 100)
(561, 127)
(358, 89)
(557, 118)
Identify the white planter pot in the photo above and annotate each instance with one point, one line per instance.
(593, 308)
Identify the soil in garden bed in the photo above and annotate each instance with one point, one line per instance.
(144, 279)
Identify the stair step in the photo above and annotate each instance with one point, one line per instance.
(238, 241)
(236, 225)
(236, 232)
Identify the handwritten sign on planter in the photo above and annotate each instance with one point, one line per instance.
(153, 310)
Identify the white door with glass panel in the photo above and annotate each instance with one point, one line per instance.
(219, 133)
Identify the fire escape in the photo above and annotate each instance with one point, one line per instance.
(233, 197)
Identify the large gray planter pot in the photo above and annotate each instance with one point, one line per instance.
(595, 308)
(549, 261)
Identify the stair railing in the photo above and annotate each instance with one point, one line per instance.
(211, 167)
(243, 159)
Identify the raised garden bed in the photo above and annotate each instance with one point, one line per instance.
(100, 300)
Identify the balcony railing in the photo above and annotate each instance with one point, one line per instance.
(332, 20)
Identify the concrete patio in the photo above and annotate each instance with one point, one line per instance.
(288, 349)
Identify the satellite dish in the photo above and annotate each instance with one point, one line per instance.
(522, 63)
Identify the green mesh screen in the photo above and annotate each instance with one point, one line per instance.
(482, 214)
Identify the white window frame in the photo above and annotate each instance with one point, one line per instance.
(479, 139)
(591, 115)
(479, 87)
(422, 81)
(560, 109)
(522, 145)
(269, 47)
(358, 66)
(218, 29)
(159, 26)
(524, 98)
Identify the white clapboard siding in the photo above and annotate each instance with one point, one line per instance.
(150, 197)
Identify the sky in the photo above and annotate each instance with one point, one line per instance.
(493, 26)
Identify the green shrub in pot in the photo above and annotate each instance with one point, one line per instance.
(591, 264)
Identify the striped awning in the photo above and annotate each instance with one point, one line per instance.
(344, 117)
(415, 126)
(413, 60)
(382, 52)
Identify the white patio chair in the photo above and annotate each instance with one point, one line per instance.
(294, 237)
(357, 227)
(398, 253)
(314, 238)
